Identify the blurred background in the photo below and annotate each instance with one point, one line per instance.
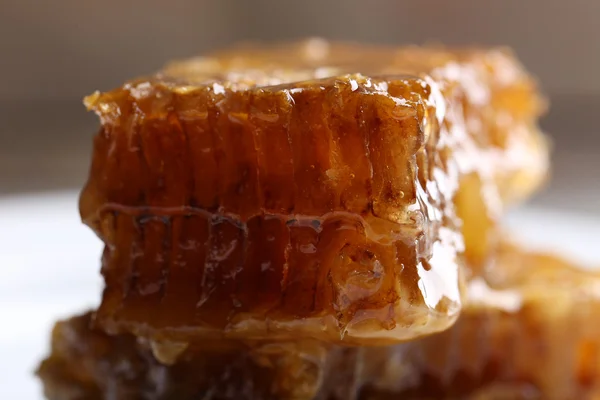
(54, 53)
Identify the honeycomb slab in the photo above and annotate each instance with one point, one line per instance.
(537, 311)
(315, 190)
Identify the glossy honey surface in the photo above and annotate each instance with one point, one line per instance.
(314, 190)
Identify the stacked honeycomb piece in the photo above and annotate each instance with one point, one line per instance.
(533, 336)
(319, 220)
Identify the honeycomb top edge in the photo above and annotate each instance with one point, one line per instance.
(312, 63)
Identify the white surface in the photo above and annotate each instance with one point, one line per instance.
(49, 269)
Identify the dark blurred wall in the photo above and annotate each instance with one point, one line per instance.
(66, 48)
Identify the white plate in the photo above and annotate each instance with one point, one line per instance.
(49, 269)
